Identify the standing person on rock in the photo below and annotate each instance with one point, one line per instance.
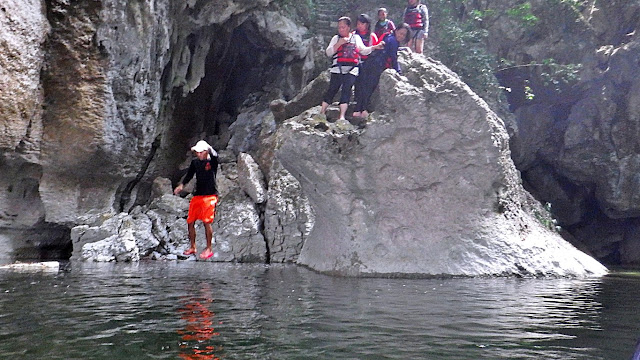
(378, 61)
(203, 204)
(417, 16)
(363, 29)
(345, 49)
(383, 25)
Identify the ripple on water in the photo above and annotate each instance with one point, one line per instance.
(164, 310)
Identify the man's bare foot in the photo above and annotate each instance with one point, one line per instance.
(207, 253)
(365, 114)
(189, 251)
(356, 114)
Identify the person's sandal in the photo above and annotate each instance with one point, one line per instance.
(189, 252)
(204, 256)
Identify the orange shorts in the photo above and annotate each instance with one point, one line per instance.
(202, 207)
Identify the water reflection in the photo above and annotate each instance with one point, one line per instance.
(208, 311)
(199, 329)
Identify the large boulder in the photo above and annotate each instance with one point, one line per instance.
(427, 187)
(237, 230)
(288, 217)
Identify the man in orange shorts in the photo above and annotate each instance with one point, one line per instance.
(205, 197)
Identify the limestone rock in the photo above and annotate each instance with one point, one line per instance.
(237, 230)
(309, 96)
(113, 248)
(23, 29)
(251, 178)
(427, 187)
(288, 217)
(247, 128)
(160, 186)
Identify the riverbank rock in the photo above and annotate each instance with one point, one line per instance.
(126, 87)
(251, 178)
(237, 230)
(288, 217)
(427, 187)
(159, 230)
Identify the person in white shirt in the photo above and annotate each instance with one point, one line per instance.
(345, 48)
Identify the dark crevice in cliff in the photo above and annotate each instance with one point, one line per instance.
(239, 70)
(125, 195)
(261, 208)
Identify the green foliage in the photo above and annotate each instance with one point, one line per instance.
(462, 49)
(556, 75)
(549, 73)
(523, 14)
(545, 217)
(461, 28)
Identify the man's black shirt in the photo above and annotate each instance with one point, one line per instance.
(205, 172)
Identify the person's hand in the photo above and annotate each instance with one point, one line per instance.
(178, 189)
(380, 45)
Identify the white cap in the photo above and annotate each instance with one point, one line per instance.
(204, 146)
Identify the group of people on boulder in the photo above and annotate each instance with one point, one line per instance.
(360, 56)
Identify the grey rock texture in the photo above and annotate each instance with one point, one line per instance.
(23, 30)
(288, 217)
(237, 230)
(428, 187)
(160, 231)
(115, 77)
(577, 148)
(251, 178)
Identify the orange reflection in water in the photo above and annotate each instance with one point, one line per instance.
(197, 334)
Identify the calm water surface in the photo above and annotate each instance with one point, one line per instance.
(195, 310)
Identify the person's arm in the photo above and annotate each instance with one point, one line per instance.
(334, 45)
(391, 48)
(425, 19)
(373, 40)
(186, 179)
(391, 26)
(366, 50)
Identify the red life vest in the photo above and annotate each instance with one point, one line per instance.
(413, 16)
(348, 53)
(382, 30)
(366, 42)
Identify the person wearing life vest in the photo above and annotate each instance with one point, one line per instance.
(383, 25)
(417, 16)
(378, 62)
(363, 29)
(345, 49)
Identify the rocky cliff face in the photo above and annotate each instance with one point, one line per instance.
(117, 92)
(577, 147)
(126, 87)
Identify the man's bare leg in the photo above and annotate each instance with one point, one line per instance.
(208, 232)
(192, 239)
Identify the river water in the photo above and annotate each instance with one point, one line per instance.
(196, 310)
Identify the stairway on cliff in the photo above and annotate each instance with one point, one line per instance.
(327, 14)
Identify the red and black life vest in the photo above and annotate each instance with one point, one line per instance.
(382, 30)
(366, 40)
(414, 17)
(348, 53)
